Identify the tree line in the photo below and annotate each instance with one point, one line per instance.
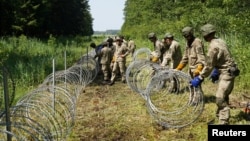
(41, 18)
(229, 16)
(72, 17)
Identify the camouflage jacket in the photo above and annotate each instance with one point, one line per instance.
(218, 56)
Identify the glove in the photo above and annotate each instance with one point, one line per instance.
(215, 75)
(198, 70)
(180, 66)
(155, 59)
(196, 81)
(113, 59)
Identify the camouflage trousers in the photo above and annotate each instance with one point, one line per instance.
(118, 66)
(106, 71)
(225, 87)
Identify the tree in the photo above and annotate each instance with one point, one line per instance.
(44, 17)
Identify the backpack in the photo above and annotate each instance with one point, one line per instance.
(98, 49)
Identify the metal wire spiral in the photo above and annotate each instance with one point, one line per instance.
(48, 112)
(171, 101)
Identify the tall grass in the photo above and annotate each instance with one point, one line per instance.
(30, 59)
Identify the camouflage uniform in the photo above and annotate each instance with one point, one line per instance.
(131, 47)
(173, 54)
(120, 54)
(106, 57)
(157, 54)
(97, 55)
(194, 54)
(218, 56)
(171, 57)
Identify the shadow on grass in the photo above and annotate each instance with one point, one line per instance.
(209, 99)
(241, 116)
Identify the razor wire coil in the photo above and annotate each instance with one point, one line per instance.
(170, 99)
(48, 112)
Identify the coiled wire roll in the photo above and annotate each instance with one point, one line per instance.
(170, 99)
(176, 104)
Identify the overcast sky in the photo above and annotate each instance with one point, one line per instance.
(107, 14)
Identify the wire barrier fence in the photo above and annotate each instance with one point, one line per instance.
(170, 99)
(48, 112)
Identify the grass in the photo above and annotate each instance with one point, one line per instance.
(116, 113)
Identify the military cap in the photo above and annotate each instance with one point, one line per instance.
(118, 39)
(207, 29)
(110, 40)
(168, 35)
(186, 31)
(151, 35)
(93, 45)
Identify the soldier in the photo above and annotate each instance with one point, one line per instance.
(173, 54)
(124, 41)
(194, 56)
(157, 53)
(97, 55)
(171, 57)
(119, 58)
(106, 57)
(223, 68)
(111, 45)
(131, 47)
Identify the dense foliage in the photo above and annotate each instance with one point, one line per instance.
(231, 18)
(30, 59)
(160, 16)
(41, 18)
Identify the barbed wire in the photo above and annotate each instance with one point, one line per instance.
(48, 112)
(170, 99)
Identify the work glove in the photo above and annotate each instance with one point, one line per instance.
(198, 70)
(155, 59)
(215, 75)
(113, 59)
(196, 81)
(180, 67)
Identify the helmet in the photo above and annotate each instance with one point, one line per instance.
(121, 36)
(110, 40)
(186, 31)
(207, 29)
(151, 35)
(118, 39)
(93, 45)
(168, 35)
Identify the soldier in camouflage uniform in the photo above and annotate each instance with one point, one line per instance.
(111, 45)
(119, 58)
(172, 55)
(194, 56)
(106, 57)
(131, 47)
(223, 68)
(157, 53)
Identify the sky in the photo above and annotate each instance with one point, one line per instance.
(107, 14)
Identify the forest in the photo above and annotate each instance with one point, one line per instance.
(30, 29)
(34, 33)
(229, 16)
(41, 18)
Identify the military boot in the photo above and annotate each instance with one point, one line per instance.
(224, 115)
